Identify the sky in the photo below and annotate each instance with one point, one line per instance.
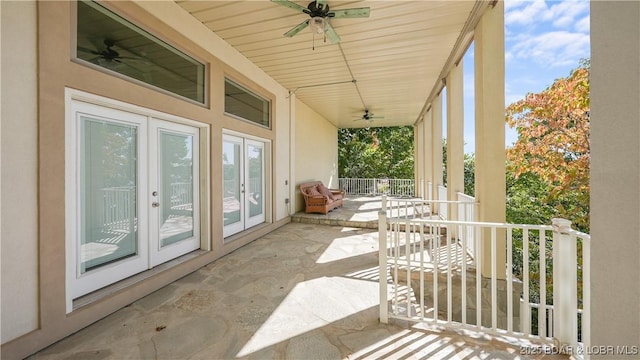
(544, 40)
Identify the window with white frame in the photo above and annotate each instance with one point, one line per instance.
(245, 104)
(109, 42)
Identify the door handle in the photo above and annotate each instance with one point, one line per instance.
(155, 204)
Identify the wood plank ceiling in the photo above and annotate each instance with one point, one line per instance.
(396, 56)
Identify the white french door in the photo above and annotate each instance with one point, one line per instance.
(243, 167)
(174, 185)
(133, 194)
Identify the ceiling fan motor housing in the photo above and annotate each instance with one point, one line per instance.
(317, 10)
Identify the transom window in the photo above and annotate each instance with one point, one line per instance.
(245, 104)
(111, 42)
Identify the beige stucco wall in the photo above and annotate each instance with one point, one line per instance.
(316, 150)
(615, 175)
(33, 155)
(174, 16)
(18, 219)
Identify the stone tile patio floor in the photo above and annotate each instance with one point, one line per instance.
(304, 291)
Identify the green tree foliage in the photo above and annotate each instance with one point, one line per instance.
(548, 170)
(376, 152)
(469, 170)
(553, 143)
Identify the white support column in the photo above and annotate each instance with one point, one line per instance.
(436, 144)
(490, 184)
(428, 157)
(418, 155)
(565, 278)
(455, 136)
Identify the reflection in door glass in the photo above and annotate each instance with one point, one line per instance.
(108, 165)
(232, 184)
(176, 188)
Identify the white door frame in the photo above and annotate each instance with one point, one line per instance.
(80, 103)
(83, 283)
(159, 254)
(246, 221)
(248, 199)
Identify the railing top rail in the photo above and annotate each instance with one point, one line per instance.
(113, 188)
(470, 223)
(433, 201)
(580, 234)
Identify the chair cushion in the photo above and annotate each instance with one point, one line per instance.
(312, 191)
(325, 191)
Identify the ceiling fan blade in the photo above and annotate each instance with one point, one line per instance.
(297, 29)
(87, 50)
(351, 13)
(331, 34)
(289, 4)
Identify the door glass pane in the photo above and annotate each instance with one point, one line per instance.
(176, 187)
(108, 198)
(232, 184)
(254, 156)
(245, 104)
(111, 42)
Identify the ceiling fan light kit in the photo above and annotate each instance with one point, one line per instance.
(319, 22)
(317, 25)
(320, 13)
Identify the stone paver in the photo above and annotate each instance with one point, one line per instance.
(304, 291)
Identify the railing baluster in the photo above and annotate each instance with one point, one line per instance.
(407, 247)
(463, 288)
(586, 293)
(509, 279)
(449, 280)
(434, 260)
(382, 264)
(422, 267)
(542, 311)
(526, 314)
(478, 279)
(494, 280)
(396, 256)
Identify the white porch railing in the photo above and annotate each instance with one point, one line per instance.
(442, 194)
(428, 275)
(425, 209)
(118, 209)
(464, 207)
(181, 196)
(376, 187)
(468, 214)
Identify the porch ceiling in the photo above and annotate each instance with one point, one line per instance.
(397, 56)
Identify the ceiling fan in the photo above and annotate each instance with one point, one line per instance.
(367, 116)
(106, 54)
(320, 14)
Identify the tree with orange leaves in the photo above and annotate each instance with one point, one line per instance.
(553, 142)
